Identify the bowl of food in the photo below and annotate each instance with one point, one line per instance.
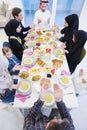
(28, 61)
(49, 100)
(65, 80)
(25, 87)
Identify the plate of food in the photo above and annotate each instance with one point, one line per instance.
(35, 70)
(48, 34)
(30, 44)
(25, 87)
(28, 61)
(65, 80)
(36, 78)
(53, 43)
(24, 74)
(45, 81)
(49, 100)
(39, 40)
(58, 51)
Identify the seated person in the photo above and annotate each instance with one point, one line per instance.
(75, 48)
(7, 88)
(12, 29)
(45, 123)
(71, 23)
(14, 62)
(17, 14)
(42, 18)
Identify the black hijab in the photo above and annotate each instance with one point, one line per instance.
(73, 22)
(75, 48)
(10, 28)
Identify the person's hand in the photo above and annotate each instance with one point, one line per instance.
(48, 20)
(66, 51)
(43, 92)
(14, 86)
(84, 81)
(81, 72)
(63, 45)
(58, 94)
(55, 28)
(39, 21)
(32, 26)
(17, 67)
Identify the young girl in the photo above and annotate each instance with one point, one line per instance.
(14, 62)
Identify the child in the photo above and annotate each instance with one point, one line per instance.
(14, 63)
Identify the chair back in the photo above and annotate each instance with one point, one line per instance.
(6, 44)
(82, 55)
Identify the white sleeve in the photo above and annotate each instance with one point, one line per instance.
(36, 18)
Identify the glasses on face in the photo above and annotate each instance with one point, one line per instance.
(42, 1)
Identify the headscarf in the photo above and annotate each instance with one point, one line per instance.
(10, 28)
(81, 36)
(73, 21)
(5, 78)
(76, 47)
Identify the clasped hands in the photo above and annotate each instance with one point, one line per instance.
(57, 92)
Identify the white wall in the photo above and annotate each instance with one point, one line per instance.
(83, 17)
(13, 3)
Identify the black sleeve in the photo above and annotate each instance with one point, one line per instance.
(65, 113)
(24, 29)
(6, 94)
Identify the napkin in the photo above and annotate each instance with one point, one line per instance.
(28, 53)
(65, 72)
(22, 98)
(26, 68)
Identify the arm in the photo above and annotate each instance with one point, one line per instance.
(24, 29)
(35, 110)
(61, 106)
(64, 112)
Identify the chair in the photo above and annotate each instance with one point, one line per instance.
(6, 44)
(82, 55)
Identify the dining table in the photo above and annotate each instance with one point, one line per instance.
(44, 61)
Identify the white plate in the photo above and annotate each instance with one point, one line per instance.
(25, 87)
(28, 61)
(65, 80)
(49, 99)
